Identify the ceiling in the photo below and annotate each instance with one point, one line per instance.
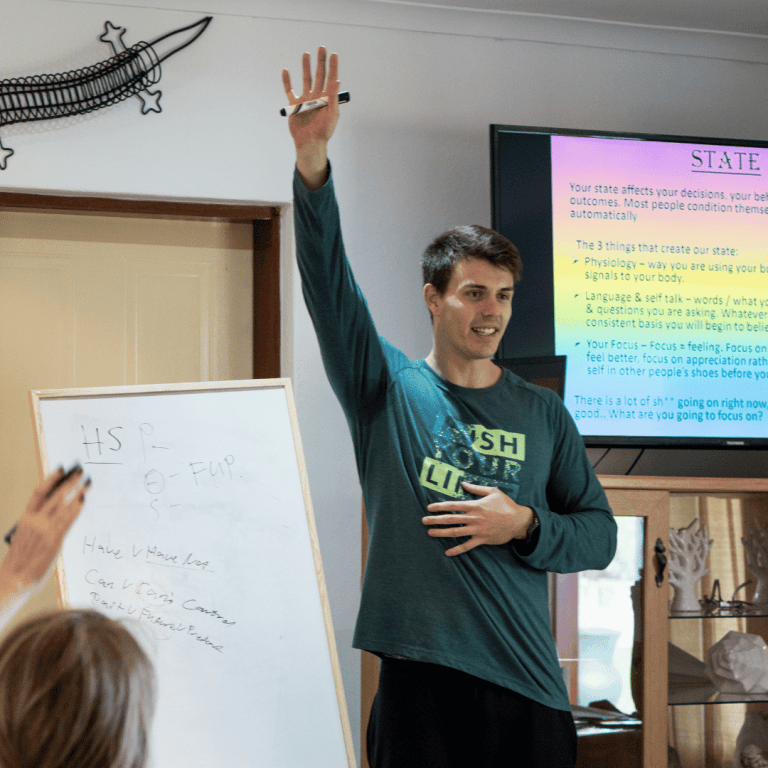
(742, 17)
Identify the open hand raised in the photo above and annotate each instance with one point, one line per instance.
(312, 129)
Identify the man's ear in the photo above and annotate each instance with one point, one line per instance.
(432, 298)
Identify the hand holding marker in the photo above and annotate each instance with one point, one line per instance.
(35, 540)
(61, 478)
(305, 106)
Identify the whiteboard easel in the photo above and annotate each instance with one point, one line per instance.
(199, 526)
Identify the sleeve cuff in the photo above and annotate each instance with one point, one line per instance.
(300, 190)
(526, 547)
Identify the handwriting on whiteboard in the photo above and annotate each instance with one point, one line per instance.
(135, 578)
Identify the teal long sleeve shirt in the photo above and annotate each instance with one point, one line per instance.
(416, 437)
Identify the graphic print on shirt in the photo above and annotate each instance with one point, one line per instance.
(475, 454)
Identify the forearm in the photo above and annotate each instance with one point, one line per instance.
(571, 542)
(31, 555)
(10, 583)
(578, 531)
(312, 164)
(15, 589)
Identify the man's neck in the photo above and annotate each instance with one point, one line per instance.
(473, 374)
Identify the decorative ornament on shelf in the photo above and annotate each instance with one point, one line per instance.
(756, 548)
(752, 742)
(752, 757)
(738, 663)
(688, 550)
(128, 73)
(714, 605)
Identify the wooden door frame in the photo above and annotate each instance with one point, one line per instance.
(265, 221)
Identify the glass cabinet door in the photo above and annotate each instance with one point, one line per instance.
(708, 728)
(610, 629)
(606, 625)
(598, 625)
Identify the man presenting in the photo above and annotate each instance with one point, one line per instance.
(475, 483)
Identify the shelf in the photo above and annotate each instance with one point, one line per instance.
(694, 485)
(752, 613)
(708, 694)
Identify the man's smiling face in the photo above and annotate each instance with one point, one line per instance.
(470, 317)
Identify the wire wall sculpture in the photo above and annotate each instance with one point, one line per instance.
(130, 72)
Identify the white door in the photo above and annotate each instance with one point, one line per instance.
(98, 300)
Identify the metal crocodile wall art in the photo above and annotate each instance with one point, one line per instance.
(130, 72)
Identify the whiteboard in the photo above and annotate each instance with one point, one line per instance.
(199, 526)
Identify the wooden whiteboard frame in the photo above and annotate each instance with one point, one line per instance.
(36, 396)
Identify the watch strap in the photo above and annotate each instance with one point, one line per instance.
(532, 528)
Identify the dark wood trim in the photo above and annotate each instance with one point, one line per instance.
(369, 664)
(266, 298)
(145, 207)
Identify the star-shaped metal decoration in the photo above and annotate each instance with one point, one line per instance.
(4, 155)
(150, 101)
(114, 36)
(130, 72)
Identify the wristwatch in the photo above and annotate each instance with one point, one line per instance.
(532, 528)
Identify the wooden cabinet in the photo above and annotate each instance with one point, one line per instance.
(730, 506)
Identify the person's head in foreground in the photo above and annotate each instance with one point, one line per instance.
(76, 691)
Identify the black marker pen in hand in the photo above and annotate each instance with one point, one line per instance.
(63, 479)
(55, 487)
(305, 106)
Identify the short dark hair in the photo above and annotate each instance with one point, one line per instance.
(470, 241)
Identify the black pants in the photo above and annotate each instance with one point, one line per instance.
(430, 716)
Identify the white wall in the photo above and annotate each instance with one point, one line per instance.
(410, 156)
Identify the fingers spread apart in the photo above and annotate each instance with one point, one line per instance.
(321, 87)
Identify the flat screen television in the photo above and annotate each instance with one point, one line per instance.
(645, 264)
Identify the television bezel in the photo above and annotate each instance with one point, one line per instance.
(614, 441)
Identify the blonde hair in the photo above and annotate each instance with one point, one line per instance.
(76, 690)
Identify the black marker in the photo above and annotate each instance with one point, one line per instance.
(305, 106)
(63, 479)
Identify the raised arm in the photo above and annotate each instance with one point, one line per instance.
(311, 130)
(355, 357)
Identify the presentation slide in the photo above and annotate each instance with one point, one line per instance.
(661, 286)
